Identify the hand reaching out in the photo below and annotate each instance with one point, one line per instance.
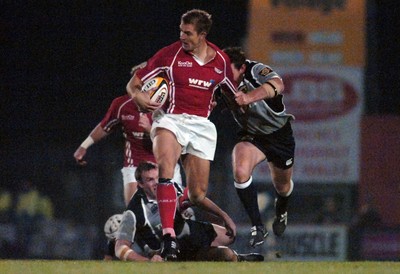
(144, 122)
(78, 155)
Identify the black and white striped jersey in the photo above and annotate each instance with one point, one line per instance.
(141, 222)
(264, 116)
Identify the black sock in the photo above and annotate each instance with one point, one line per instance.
(281, 204)
(248, 197)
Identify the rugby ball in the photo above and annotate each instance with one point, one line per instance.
(112, 225)
(157, 88)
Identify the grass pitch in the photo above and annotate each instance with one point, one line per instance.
(58, 266)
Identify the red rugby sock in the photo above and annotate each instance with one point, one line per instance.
(184, 202)
(166, 198)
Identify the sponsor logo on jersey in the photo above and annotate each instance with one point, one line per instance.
(199, 83)
(138, 135)
(128, 117)
(265, 71)
(186, 64)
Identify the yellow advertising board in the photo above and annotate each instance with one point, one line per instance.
(313, 33)
(318, 47)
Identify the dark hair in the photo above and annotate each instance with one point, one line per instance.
(199, 18)
(142, 167)
(236, 55)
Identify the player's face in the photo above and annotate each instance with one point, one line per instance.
(238, 73)
(191, 40)
(149, 183)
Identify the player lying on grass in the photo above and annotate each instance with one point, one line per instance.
(198, 241)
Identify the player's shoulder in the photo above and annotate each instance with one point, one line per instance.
(219, 51)
(125, 104)
(258, 69)
(251, 64)
(137, 197)
(214, 46)
(122, 99)
(171, 48)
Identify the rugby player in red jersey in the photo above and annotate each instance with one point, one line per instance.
(195, 68)
(123, 113)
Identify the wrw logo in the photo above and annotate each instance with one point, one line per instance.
(199, 83)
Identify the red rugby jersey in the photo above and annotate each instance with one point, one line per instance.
(124, 113)
(192, 85)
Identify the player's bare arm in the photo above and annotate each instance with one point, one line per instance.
(270, 89)
(210, 206)
(124, 252)
(144, 122)
(97, 134)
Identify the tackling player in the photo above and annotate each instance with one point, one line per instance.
(265, 134)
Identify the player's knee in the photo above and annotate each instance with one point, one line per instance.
(280, 188)
(283, 187)
(219, 254)
(228, 255)
(196, 197)
(241, 174)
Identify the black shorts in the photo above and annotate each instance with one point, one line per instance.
(278, 147)
(202, 234)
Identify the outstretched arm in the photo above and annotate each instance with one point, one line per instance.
(124, 252)
(96, 135)
(211, 207)
(270, 89)
(144, 122)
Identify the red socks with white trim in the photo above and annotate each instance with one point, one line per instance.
(166, 198)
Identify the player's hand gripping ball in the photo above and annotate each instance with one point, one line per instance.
(158, 88)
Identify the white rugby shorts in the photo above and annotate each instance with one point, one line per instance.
(197, 135)
(128, 175)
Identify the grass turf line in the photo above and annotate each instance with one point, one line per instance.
(87, 267)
